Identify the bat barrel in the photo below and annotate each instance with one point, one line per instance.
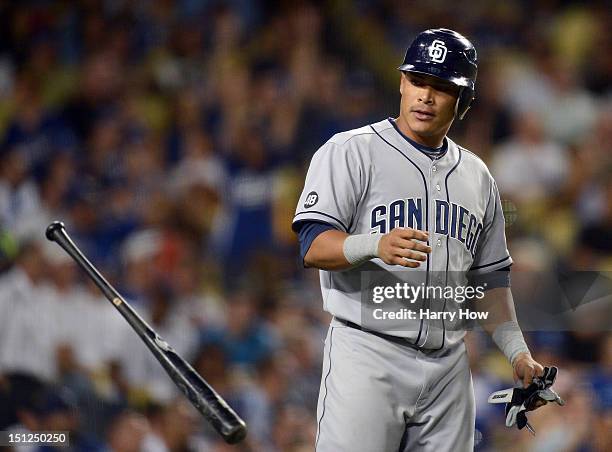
(236, 434)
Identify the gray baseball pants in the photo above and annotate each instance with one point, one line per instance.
(381, 396)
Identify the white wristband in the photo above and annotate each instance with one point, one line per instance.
(509, 338)
(361, 247)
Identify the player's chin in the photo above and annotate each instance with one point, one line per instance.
(424, 128)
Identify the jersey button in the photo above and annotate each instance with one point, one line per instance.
(434, 169)
(438, 187)
(439, 242)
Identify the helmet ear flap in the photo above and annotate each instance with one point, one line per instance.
(464, 101)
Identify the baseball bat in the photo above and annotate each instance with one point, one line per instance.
(203, 397)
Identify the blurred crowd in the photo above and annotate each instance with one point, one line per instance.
(172, 138)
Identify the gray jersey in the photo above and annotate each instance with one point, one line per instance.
(371, 180)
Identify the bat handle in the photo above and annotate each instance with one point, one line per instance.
(56, 232)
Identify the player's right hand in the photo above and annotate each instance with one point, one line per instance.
(404, 246)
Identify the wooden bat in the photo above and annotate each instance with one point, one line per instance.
(203, 397)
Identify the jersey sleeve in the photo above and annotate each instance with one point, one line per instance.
(491, 249)
(333, 187)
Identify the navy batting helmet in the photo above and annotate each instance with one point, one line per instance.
(447, 55)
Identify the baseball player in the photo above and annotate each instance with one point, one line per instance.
(400, 195)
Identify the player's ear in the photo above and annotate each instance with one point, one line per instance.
(402, 82)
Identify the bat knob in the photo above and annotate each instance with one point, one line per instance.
(55, 226)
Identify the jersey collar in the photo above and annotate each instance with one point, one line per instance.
(395, 138)
(433, 153)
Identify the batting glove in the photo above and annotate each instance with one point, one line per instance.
(521, 400)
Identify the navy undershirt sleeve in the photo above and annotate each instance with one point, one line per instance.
(492, 280)
(307, 232)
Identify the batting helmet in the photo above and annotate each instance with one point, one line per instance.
(448, 55)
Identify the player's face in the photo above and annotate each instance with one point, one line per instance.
(427, 108)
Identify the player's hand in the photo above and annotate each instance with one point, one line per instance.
(404, 246)
(525, 368)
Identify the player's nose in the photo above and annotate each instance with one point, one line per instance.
(426, 95)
